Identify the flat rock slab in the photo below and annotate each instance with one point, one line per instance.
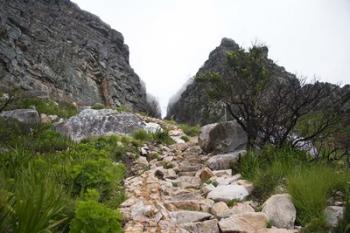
(186, 216)
(209, 226)
(224, 161)
(245, 223)
(228, 192)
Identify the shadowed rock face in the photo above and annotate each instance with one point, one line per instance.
(52, 48)
(193, 107)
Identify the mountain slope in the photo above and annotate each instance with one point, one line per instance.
(53, 48)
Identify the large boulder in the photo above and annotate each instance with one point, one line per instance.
(280, 210)
(202, 227)
(227, 193)
(26, 116)
(92, 123)
(224, 161)
(222, 137)
(334, 214)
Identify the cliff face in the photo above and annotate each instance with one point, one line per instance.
(193, 107)
(53, 48)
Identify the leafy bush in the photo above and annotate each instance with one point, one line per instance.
(97, 106)
(190, 130)
(97, 174)
(92, 217)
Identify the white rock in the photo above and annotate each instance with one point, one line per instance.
(152, 127)
(280, 210)
(228, 192)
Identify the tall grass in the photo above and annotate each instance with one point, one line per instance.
(35, 204)
(310, 188)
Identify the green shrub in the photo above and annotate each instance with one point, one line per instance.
(162, 137)
(37, 203)
(310, 188)
(142, 135)
(97, 106)
(48, 140)
(91, 217)
(190, 130)
(101, 175)
(185, 138)
(61, 109)
(123, 108)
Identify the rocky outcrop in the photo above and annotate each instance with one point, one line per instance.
(53, 48)
(93, 123)
(222, 137)
(26, 116)
(193, 107)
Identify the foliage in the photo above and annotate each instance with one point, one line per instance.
(56, 173)
(61, 109)
(91, 217)
(185, 138)
(310, 189)
(36, 203)
(99, 174)
(190, 130)
(268, 108)
(309, 182)
(97, 106)
(159, 137)
(142, 135)
(162, 137)
(123, 108)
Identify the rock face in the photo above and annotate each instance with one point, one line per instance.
(280, 211)
(52, 48)
(192, 105)
(222, 137)
(26, 116)
(90, 123)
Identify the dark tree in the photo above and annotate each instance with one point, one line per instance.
(268, 107)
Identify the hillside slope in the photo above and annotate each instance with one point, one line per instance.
(53, 48)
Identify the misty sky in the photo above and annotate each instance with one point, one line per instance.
(170, 39)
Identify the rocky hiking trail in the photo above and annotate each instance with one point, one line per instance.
(176, 191)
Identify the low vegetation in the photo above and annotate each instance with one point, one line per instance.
(73, 187)
(190, 130)
(159, 137)
(310, 182)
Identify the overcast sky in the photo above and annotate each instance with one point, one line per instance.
(170, 39)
